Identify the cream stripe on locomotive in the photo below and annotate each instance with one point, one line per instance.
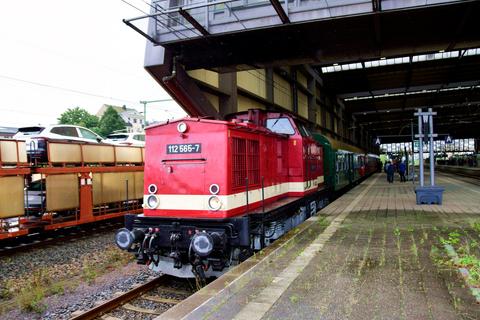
(229, 202)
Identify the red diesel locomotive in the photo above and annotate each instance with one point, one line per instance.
(215, 191)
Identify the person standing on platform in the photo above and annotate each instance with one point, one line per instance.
(401, 171)
(390, 172)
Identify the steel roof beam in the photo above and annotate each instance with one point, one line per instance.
(193, 22)
(362, 114)
(461, 26)
(442, 114)
(377, 8)
(279, 9)
(408, 81)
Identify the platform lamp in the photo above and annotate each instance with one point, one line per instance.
(427, 194)
(145, 107)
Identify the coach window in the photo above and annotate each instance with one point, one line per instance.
(280, 125)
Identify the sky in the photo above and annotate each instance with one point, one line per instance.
(60, 54)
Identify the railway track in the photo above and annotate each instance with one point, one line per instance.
(162, 292)
(31, 241)
(463, 177)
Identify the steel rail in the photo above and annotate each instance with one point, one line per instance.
(475, 180)
(119, 300)
(25, 243)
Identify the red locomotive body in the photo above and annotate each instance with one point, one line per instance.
(215, 191)
(185, 166)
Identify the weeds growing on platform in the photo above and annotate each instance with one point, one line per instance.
(465, 242)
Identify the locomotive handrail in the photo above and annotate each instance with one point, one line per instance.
(185, 159)
(246, 191)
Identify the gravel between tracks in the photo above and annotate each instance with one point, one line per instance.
(65, 262)
(65, 255)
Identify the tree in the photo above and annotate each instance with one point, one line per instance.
(110, 121)
(79, 117)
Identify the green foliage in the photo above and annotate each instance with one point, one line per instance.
(110, 122)
(468, 261)
(476, 226)
(89, 273)
(31, 295)
(79, 117)
(396, 232)
(453, 238)
(473, 244)
(30, 299)
(6, 289)
(58, 288)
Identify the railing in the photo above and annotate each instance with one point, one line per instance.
(178, 20)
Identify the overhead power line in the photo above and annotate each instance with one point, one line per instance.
(65, 89)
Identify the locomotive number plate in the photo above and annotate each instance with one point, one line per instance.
(184, 148)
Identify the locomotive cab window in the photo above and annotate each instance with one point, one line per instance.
(280, 125)
(303, 130)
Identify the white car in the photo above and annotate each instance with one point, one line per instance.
(127, 139)
(35, 137)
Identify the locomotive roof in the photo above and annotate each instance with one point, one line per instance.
(236, 125)
(159, 124)
(338, 145)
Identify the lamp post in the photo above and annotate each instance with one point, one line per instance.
(145, 107)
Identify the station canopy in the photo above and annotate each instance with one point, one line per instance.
(384, 93)
(381, 59)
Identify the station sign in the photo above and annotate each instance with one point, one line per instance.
(448, 139)
(377, 141)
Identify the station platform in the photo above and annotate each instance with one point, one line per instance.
(368, 255)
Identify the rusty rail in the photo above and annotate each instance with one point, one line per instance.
(117, 301)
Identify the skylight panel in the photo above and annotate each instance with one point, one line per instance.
(400, 60)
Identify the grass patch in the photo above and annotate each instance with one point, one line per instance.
(111, 259)
(294, 298)
(28, 293)
(89, 271)
(6, 289)
(30, 297)
(466, 247)
(396, 232)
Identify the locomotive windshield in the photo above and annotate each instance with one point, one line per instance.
(280, 125)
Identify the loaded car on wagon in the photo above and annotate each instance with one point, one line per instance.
(36, 138)
(135, 139)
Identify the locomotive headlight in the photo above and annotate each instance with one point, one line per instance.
(152, 188)
(214, 188)
(214, 203)
(124, 239)
(152, 201)
(202, 244)
(182, 127)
